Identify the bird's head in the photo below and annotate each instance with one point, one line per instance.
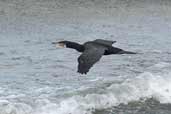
(61, 43)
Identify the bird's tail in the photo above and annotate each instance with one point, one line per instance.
(126, 52)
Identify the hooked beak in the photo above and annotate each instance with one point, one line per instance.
(59, 44)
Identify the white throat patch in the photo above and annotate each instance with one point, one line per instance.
(60, 45)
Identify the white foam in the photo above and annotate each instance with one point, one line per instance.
(146, 85)
(161, 88)
(7, 107)
(44, 106)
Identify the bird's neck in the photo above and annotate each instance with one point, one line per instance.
(76, 46)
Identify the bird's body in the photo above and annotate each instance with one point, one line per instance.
(92, 51)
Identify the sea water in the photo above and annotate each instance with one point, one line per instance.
(38, 78)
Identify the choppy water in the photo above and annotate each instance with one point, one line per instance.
(38, 78)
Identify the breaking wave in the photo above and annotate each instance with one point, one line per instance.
(146, 85)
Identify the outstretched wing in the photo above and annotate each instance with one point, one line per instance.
(90, 56)
(104, 42)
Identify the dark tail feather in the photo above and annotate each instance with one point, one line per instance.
(126, 52)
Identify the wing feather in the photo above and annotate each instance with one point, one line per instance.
(104, 42)
(89, 57)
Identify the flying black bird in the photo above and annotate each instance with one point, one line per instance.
(92, 51)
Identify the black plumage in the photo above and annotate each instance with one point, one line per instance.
(92, 51)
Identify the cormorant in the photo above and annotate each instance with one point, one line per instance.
(92, 51)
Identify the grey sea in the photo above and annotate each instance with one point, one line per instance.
(38, 78)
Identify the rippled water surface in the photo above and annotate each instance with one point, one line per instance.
(38, 78)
